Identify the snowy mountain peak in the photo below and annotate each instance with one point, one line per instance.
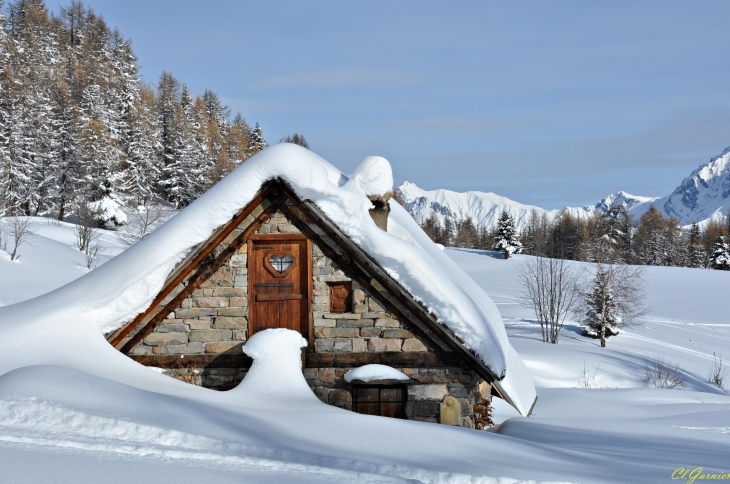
(622, 198)
(704, 194)
(483, 207)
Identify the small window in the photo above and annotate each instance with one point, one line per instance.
(340, 297)
(382, 400)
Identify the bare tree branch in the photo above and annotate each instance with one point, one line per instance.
(550, 288)
(20, 233)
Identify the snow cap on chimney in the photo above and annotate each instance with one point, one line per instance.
(375, 177)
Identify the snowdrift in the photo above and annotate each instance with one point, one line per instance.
(66, 327)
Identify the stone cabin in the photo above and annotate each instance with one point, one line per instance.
(280, 262)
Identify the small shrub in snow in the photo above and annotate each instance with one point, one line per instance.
(587, 379)
(141, 221)
(506, 240)
(716, 376)
(662, 373)
(589, 332)
(53, 221)
(87, 234)
(20, 233)
(86, 226)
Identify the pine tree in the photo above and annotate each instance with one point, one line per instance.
(257, 141)
(720, 258)
(505, 239)
(615, 299)
(601, 316)
(142, 170)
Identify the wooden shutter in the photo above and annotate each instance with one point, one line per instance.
(340, 297)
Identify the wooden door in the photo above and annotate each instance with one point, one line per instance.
(279, 282)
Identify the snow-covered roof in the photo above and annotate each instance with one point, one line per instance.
(114, 293)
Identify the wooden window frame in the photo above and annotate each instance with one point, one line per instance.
(380, 386)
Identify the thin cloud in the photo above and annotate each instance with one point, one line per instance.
(381, 78)
(472, 124)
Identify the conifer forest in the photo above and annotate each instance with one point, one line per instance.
(79, 127)
(612, 236)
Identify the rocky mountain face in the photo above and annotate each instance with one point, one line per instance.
(703, 195)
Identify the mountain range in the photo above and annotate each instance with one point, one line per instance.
(703, 195)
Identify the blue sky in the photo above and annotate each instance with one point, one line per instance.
(550, 103)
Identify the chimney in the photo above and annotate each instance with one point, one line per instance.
(380, 210)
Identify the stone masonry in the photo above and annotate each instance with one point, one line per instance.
(214, 320)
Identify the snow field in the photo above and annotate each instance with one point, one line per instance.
(72, 409)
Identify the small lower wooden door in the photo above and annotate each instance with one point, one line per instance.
(279, 282)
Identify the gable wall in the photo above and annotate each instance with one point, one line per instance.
(214, 320)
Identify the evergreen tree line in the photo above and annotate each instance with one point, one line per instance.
(78, 126)
(607, 237)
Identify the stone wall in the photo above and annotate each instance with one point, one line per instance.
(427, 392)
(214, 320)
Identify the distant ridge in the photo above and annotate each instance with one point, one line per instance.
(703, 195)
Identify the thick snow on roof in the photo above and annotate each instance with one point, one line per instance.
(114, 293)
(375, 372)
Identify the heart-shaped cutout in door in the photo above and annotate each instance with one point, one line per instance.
(281, 264)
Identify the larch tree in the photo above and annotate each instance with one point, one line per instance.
(297, 139)
(447, 235)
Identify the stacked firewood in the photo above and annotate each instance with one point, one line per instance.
(483, 415)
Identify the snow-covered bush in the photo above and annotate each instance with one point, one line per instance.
(506, 240)
(662, 373)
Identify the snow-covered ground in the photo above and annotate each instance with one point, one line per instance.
(49, 259)
(596, 420)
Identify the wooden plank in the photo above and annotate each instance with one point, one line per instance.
(225, 360)
(389, 284)
(192, 262)
(202, 273)
(279, 237)
(397, 359)
(278, 297)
